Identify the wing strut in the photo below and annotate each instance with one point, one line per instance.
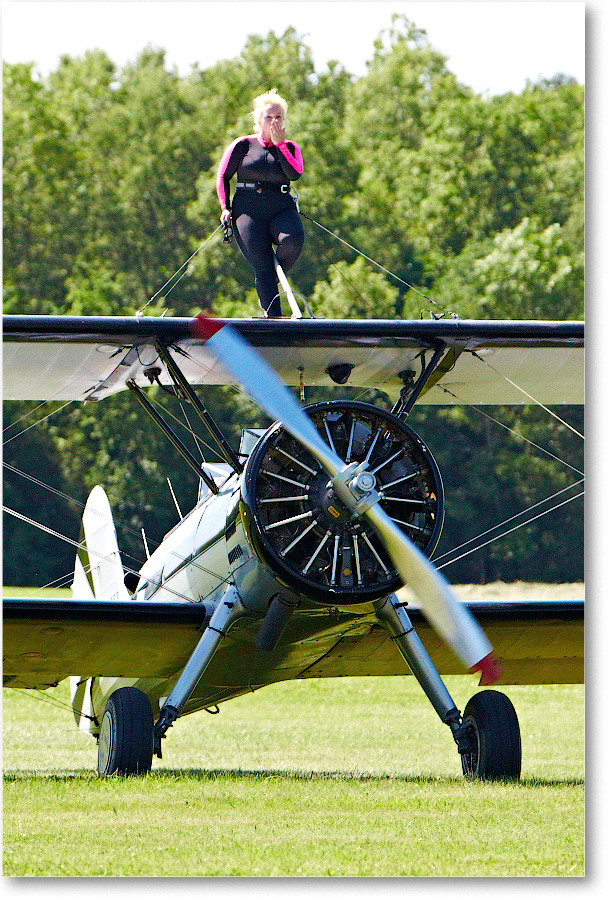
(410, 393)
(178, 379)
(175, 440)
(228, 610)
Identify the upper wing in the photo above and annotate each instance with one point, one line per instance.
(44, 641)
(508, 362)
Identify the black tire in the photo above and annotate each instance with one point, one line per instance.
(495, 730)
(127, 734)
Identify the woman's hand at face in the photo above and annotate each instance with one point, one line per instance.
(277, 133)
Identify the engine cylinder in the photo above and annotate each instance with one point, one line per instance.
(300, 528)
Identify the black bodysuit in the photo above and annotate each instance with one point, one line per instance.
(263, 211)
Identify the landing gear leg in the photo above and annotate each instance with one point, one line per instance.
(487, 735)
(229, 609)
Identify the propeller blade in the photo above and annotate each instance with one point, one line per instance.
(260, 381)
(451, 619)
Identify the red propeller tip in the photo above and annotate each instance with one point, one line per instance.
(204, 327)
(490, 669)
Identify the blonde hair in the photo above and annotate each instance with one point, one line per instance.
(271, 96)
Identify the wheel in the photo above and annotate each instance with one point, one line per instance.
(495, 730)
(127, 734)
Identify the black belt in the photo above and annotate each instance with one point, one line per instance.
(260, 186)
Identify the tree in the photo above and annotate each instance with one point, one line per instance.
(41, 187)
(472, 203)
(355, 292)
(524, 273)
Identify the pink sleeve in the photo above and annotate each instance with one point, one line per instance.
(220, 184)
(294, 159)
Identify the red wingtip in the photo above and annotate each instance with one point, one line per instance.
(490, 669)
(204, 327)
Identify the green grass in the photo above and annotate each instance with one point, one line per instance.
(56, 593)
(338, 777)
(347, 777)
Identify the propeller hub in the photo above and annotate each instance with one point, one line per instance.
(363, 483)
(323, 498)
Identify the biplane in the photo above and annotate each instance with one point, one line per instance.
(288, 566)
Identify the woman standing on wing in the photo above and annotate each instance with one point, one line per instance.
(263, 212)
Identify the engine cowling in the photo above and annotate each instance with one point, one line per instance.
(300, 528)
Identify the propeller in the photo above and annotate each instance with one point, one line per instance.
(356, 488)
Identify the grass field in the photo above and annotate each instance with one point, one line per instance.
(349, 777)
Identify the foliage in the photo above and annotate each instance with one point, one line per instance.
(474, 204)
(31, 556)
(355, 292)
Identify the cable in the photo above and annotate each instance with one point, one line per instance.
(516, 433)
(529, 396)
(183, 266)
(506, 521)
(37, 422)
(52, 701)
(81, 546)
(377, 264)
(515, 528)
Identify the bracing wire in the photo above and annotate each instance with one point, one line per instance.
(47, 487)
(79, 545)
(27, 414)
(184, 267)
(34, 424)
(9, 467)
(516, 434)
(52, 701)
(506, 522)
(510, 530)
(523, 512)
(199, 441)
(530, 397)
(375, 263)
